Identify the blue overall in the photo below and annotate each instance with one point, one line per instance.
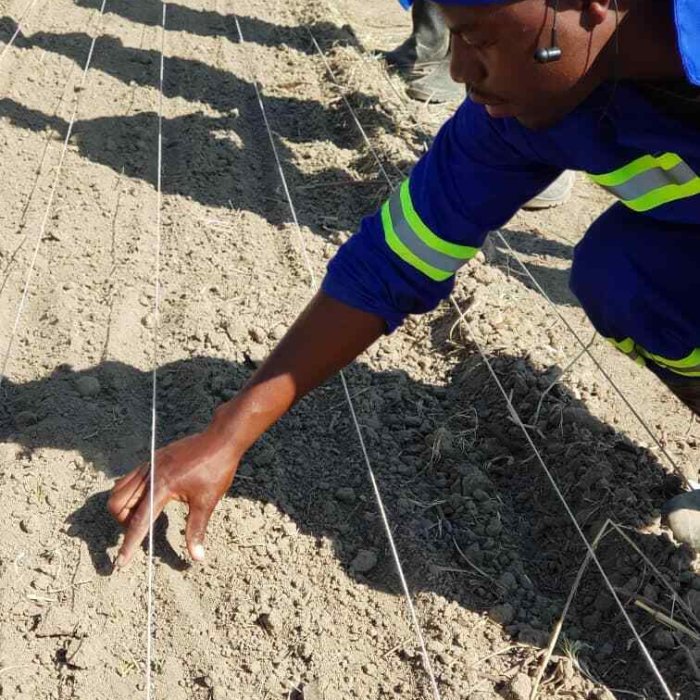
(635, 272)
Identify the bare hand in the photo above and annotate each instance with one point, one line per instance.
(196, 470)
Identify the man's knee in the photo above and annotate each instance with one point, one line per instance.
(601, 268)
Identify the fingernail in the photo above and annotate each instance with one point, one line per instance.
(121, 560)
(198, 552)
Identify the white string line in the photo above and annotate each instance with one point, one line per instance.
(385, 520)
(522, 426)
(42, 228)
(588, 351)
(333, 78)
(18, 29)
(156, 322)
(516, 417)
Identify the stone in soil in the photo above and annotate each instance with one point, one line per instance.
(87, 386)
(345, 494)
(502, 614)
(364, 562)
(519, 688)
(682, 514)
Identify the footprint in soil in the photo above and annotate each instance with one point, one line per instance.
(455, 472)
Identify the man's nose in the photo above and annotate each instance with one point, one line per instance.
(465, 67)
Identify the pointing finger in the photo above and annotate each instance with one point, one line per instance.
(139, 525)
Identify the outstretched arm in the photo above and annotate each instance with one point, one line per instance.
(198, 469)
(402, 261)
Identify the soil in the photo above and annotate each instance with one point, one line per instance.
(298, 597)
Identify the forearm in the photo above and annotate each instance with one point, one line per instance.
(326, 337)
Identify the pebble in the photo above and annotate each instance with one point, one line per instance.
(532, 636)
(365, 561)
(494, 527)
(269, 621)
(257, 335)
(28, 525)
(582, 417)
(346, 494)
(277, 333)
(25, 418)
(663, 639)
(88, 386)
(520, 687)
(682, 514)
(508, 580)
(502, 614)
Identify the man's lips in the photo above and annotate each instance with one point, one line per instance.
(494, 106)
(486, 100)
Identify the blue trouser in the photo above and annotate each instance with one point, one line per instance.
(638, 280)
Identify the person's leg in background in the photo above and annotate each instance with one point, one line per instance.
(636, 278)
(423, 59)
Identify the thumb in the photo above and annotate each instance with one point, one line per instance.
(197, 522)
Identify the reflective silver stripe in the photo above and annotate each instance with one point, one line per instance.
(408, 237)
(650, 180)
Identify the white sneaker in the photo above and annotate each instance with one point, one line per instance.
(557, 193)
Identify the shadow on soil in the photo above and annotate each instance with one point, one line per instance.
(213, 24)
(527, 243)
(213, 158)
(459, 480)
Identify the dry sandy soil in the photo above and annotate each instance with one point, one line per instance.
(299, 597)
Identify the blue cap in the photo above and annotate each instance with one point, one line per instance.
(687, 15)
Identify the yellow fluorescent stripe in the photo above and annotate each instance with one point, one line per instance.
(664, 195)
(692, 360)
(461, 252)
(627, 172)
(626, 345)
(407, 255)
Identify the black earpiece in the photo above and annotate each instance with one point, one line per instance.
(554, 52)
